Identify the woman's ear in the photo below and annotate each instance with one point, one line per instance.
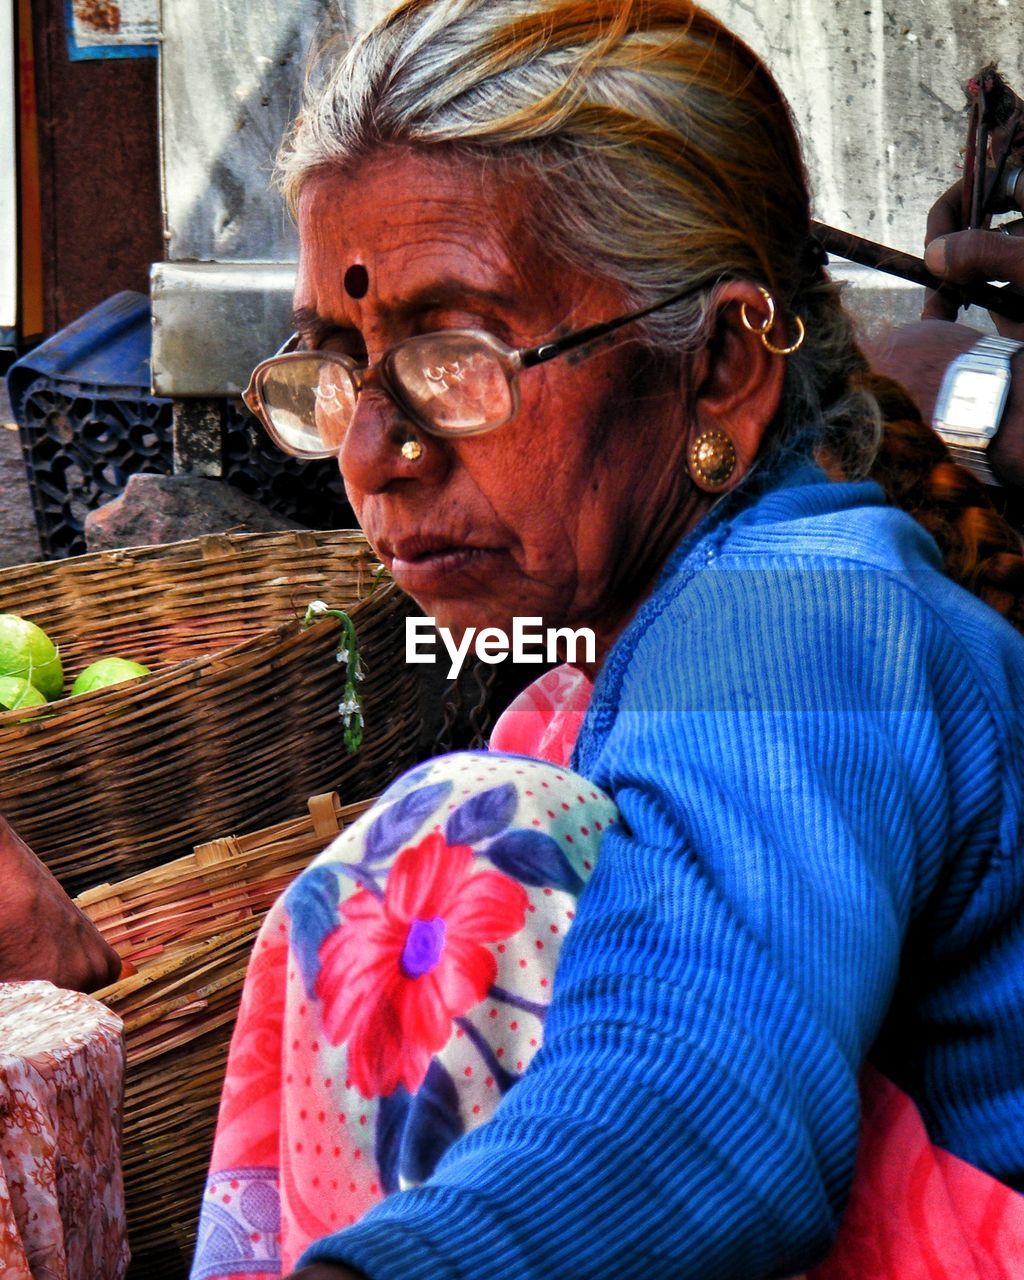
(734, 384)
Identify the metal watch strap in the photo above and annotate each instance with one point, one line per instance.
(976, 461)
(995, 345)
(993, 352)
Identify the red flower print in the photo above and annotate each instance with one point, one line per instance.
(397, 971)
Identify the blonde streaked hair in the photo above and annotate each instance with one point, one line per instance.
(662, 153)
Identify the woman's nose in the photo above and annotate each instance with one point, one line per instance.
(371, 456)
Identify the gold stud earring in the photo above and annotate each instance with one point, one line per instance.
(412, 451)
(712, 459)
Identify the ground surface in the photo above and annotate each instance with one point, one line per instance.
(19, 543)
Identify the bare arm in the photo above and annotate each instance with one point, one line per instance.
(917, 354)
(42, 933)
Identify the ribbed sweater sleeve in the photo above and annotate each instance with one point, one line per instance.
(777, 743)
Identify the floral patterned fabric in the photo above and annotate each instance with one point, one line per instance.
(395, 994)
(61, 1194)
(364, 1047)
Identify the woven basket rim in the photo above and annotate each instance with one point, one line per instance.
(146, 687)
(212, 542)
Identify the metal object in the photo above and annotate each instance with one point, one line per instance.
(230, 82)
(713, 458)
(213, 323)
(1002, 299)
(1008, 197)
(971, 400)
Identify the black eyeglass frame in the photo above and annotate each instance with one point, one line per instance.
(511, 360)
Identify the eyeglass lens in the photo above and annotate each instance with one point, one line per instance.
(453, 382)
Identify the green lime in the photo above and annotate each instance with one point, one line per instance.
(107, 671)
(15, 693)
(27, 651)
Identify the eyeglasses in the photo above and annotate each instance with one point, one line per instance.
(451, 383)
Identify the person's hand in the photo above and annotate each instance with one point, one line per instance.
(967, 257)
(917, 354)
(42, 933)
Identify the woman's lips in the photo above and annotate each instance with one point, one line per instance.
(431, 570)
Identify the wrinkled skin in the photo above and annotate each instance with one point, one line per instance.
(42, 933)
(568, 510)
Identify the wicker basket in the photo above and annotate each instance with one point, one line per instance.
(239, 721)
(188, 927)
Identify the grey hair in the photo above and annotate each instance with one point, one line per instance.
(663, 155)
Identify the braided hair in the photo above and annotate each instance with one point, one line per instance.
(980, 550)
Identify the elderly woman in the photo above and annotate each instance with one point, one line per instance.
(561, 320)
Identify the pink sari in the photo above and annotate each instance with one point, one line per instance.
(327, 1105)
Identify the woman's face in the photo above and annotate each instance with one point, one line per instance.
(567, 510)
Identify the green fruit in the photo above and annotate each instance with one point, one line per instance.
(27, 651)
(107, 671)
(16, 693)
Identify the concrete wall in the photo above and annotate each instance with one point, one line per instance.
(875, 89)
(875, 86)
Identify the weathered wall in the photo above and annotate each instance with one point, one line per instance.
(875, 88)
(874, 84)
(230, 80)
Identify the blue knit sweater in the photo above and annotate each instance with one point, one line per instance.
(816, 743)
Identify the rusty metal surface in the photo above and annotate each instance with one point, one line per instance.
(100, 171)
(8, 173)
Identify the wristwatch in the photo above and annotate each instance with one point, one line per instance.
(971, 400)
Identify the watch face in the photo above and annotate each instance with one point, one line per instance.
(975, 400)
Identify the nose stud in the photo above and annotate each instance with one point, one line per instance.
(412, 451)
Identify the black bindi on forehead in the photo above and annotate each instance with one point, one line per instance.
(357, 280)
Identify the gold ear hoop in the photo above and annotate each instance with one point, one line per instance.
(769, 319)
(801, 333)
(765, 328)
